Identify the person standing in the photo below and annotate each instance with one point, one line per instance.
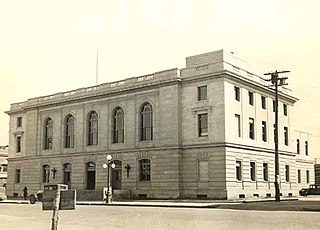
(25, 193)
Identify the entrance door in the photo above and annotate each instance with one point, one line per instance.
(91, 175)
(117, 176)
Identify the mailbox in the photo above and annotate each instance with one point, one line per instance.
(67, 197)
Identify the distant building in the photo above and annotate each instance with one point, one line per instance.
(3, 165)
(317, 171)
(205, 131)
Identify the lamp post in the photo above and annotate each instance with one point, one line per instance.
(108, 165)
(276, 81)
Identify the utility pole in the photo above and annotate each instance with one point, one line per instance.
(276, 81)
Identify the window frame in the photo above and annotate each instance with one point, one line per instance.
(19, 122)
(253, 176)
(203, 125)
(265, 168)
(238, 170)
(93, 128)
(48, 134)
(17, 178)
(251, 98)
(264, 131)
(287, 173)
(18, 144)
(238, 120)
(202, 92)
(118, 125)
(45, 173)
(285, 109)
(251, 128)
(299, 176)
(286, 135)
(145, 170)
(237, 96)
(263, 102)
(69, 132)
(146, 122)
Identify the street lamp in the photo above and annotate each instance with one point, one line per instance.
(108, 165)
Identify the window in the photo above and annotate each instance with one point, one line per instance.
(298, 146)
(203, 170)
(69, 132)
(251, 128)
(274, 105)
(17, 176)
(238, 170)
(19, 121)
(45, 173)
(306, 147)
(264, 131)
(274, 133)
(265, 172)
(263, 102)
(146, 123)
(285, 109)
(237, 93)
(307, 177)
(48, 134)
(252, 171)
(287, 171)
(145, 170)
(238, 122)
(286, 136)
(93, 128)
(299, 176)
(18, 144)
(203, 124)
(202, 93)
(118, 125)
(251, 102)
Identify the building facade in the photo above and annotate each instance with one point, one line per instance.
(3, 170)
(205, 131)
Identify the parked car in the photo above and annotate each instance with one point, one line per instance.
(314, 189)
(33, 198)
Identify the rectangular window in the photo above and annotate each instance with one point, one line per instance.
(286, 142)
(203, 124)
(252, 171)
(306, 147)
(287, 171)
(251, 102)
(285, 109)
(251, 128)
(203, 170)
(19, 121)
(274, 133)
(265, 172)
(299, 176)
(238, 170)
(202, 93)
(17, 176)
(18, 144)
(237, 93)
(145, 170)
(264, 131)
(307, 177)
(263, 102)
(238, 122)
(298, 146)
(274, 105)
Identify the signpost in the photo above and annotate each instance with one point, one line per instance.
(57, 197)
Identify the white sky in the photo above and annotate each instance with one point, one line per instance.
(50, 46)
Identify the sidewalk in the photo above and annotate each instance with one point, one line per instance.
(171, 203)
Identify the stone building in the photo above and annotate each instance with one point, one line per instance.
(3, 170)
(317, 171)
(205, 131)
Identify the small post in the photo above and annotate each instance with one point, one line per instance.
(55, 217)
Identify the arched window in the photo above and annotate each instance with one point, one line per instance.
(48, 134)
(69, 132)
(45, 173)
(145, 170)
(93, 128)
(91, 175)
(146, 128)
(118, 125)
(67, 174)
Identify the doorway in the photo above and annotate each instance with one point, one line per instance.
(117, 175)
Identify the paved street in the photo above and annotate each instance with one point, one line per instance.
(31, 217)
